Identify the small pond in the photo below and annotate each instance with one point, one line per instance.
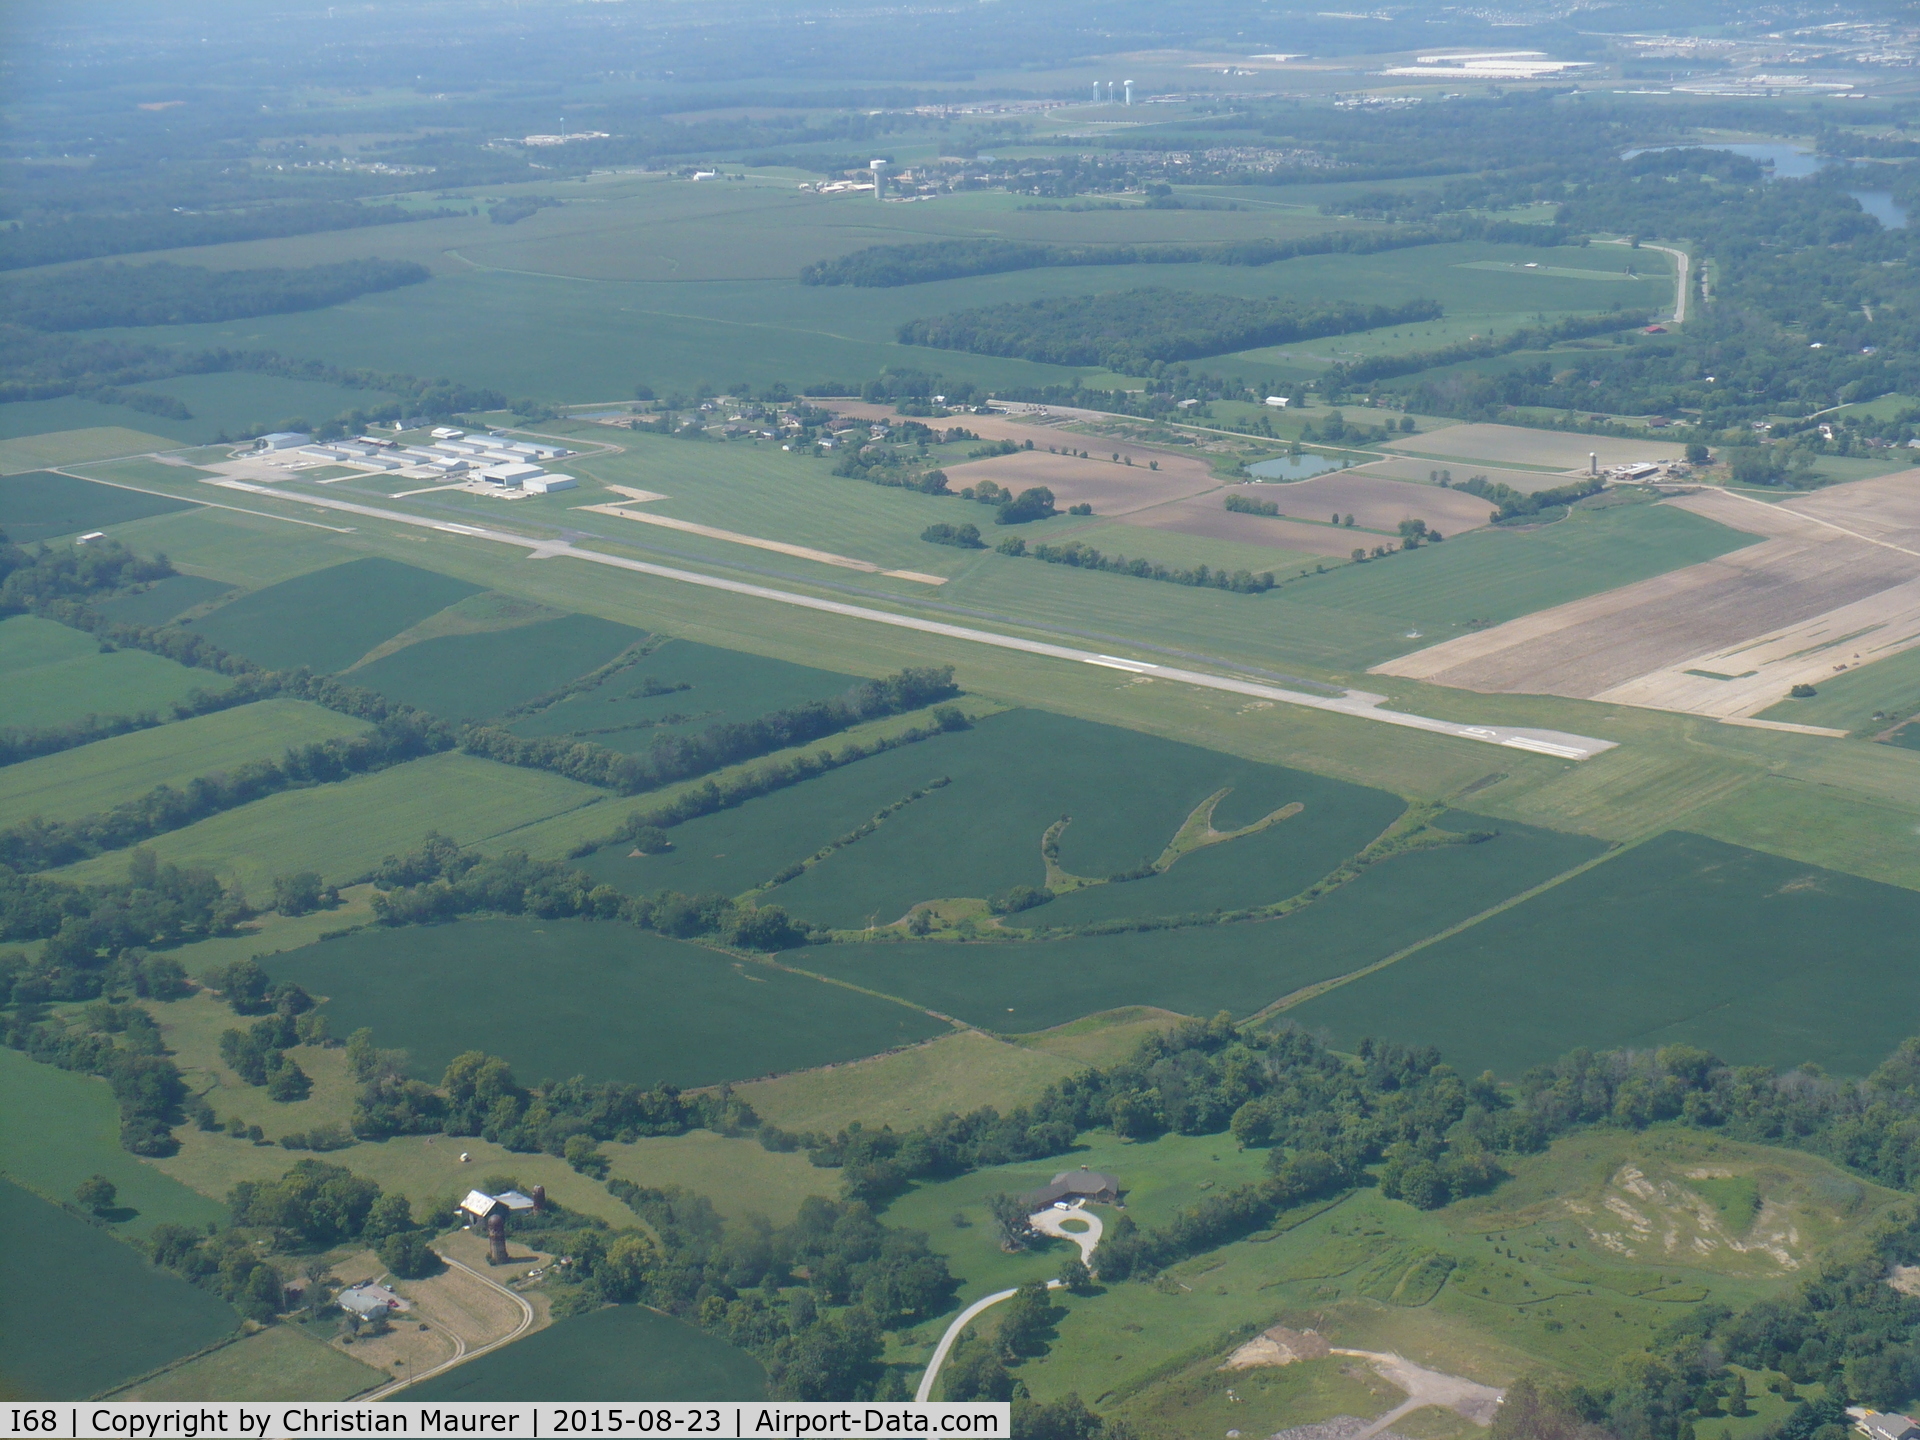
(1293, 467)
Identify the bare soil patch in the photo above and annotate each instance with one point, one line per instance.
(1205, 515)
(1514, 444)
(1111, 488)
(1375, 501)
(1886, 507)
(1727, 637)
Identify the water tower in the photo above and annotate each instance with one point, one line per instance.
(1096, 92)
(879, 168)
(1129, 85)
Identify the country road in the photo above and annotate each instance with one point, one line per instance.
(1682, 271)
(464, 1354)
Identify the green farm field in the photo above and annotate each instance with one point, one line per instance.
(50, 1351)
(51, 674)
(42, 504)
(282, 1362)
(234, 403)
(1869, 698)
(58, 1127)
(342, 830)
(101, 775)
(328, 619)
(696, 686)
(1020, 987)
(599, 998)
(473, 677)
(163, 600)
(1680, 939)
(623, 1353)
(1011, 777)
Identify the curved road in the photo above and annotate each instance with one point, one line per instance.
(464, 1354)
(1358, 703)
(960, 1323)
(1682, 271)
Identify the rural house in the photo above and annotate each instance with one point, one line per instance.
(1081, 1184)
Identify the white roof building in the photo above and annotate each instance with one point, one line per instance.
(282, 440)
(1880, 1425)
(515, 474)
(447, 432)
(369, 1299)
(547, 484)
(322, 452)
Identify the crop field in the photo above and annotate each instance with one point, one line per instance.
(1725, 637)
(1377, 506)
(342, 830)
(957, 1073)
(568, 997)
(1020, 987)
(328, 619)
(1867, 698)
(1427, 471)
(1679, 939)
(163, 600)
(1359, 615)
(59, 1127)
(712, 293)
(1545, 449)
(472, 677)
(37, 433)
(49, 1350)
(41, 504)
(1111, 487)
(1012, 777)
(624, 1353)
(50, 674)
(282, 1362)
(693, 686)
(1531, 1286)
(99, 776)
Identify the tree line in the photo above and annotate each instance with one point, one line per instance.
(885, 266)
(1085, 557)
(1127, 331)
(93, 297)
(88, 237)
(1518, 504)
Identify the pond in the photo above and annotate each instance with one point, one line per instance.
(1284, 468)
(1791, 162)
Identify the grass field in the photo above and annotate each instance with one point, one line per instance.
(1103, 1038)
(234, 402)
(1535, 1284)
(282, 1362)
(625, 1353)
(1868, 698)
(569, 997)
(328, 619)
(1022, 987)
(956, 1073)
(101, 775)
(58, 1127)
(191, 1029)
(35, 433)
(160, 602)
(42, 504)
(342, 830)
(51, 1350)
(722, 686)
(739, 1176)
(53, 674)
(1680, 939)
(473, 677)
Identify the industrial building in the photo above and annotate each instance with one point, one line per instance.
(498, 464)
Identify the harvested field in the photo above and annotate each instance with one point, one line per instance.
(1885, 508)
(1419, 471)
(1112, 489)
(1726, 637)
(1544, 449)
(1205, 516)
(1376, 502)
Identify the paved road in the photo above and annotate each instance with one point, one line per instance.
(1358, 703)
(1047, 1222)
(1682, 268)
(965, 1318)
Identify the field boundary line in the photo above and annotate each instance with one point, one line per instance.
(1321, 987)
(526, 1323)
(187, 499)
(1816, 520)
(939, 1015)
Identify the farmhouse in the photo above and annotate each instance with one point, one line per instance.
(368, 1300)
(1081, 1184)
(1877, 1425)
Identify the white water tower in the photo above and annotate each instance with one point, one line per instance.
(879, 168)
(1129, 85)
(1096, 92)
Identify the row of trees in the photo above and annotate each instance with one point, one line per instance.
(93, 297)
(1086, 557)
(1129, 330)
